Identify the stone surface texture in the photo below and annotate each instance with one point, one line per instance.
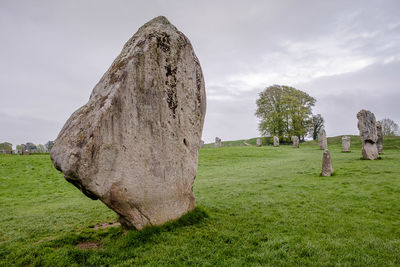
(379, 141)
(276, 141)
(295, 141)
(322, 141)
(217, 142)
(346, 142)
(327, 168)
(258, 142)
(135, 144)
(368, 134)
(201, 144)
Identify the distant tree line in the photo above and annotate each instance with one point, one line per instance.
(28, 148)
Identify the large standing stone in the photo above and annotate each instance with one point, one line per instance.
(346, 141)
(323, 144)
(295, 141)
(134, 145)
(217, 142)
(258, 142)
(276, 141)
(327, 168)
(368, 134)
(379, 142)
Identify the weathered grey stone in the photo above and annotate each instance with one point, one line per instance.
(322, 141)
(135, 144)
(327, 168)
(217, 142)
(379, 141)
(368, 134)
(258, 142)
(201, 144)
(295, 141)
(346, 142)
(276, 141)
(230, 144)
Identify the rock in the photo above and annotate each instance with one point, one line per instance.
(201, 144)
(258, 142)
(217, 142)
(241, 144)
(346, 141)
(295, 141)
(230, 144)
(327, 168)
(134, 145)
(276, 141)
(323, 144)
(368, 134)
(379, 142)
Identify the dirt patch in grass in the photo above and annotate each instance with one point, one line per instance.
(106, 225)
(88, 245)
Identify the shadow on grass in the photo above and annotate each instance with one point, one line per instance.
(123, 238)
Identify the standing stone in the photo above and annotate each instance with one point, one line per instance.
(295, 141)
(201, 144)
(217, 142)
(241, 144)
(327, 168)
(258, 142)
(230, 144)
(276, 141)
(368, 134)
(134, 145)
(379, 142)
(346, 141)
(323, 144)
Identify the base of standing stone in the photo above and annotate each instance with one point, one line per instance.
(327, 168)
(370, 151)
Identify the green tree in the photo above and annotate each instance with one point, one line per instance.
(284, 111)
(49, 145)
(317, 124)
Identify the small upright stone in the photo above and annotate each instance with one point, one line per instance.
(258, 142)
(327, 168)
(323, 144)
(276, 141)
(368, 134)
(201, 144)
(346, 141)
(295, 141)
(230, 144)
(379, 142)
(217, 142)
(135, 144)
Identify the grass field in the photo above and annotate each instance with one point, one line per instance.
(256, 206)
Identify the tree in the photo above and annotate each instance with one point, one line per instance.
(41, 148)
(20, 149)
(317, 125)
(284, 111)
(5, 148)
(389, 127)
(49, 145)
(31, 147)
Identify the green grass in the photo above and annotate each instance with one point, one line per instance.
(256, 206)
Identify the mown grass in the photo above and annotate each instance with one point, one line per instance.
(256, 206)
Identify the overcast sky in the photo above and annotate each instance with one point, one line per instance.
(346, 54)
